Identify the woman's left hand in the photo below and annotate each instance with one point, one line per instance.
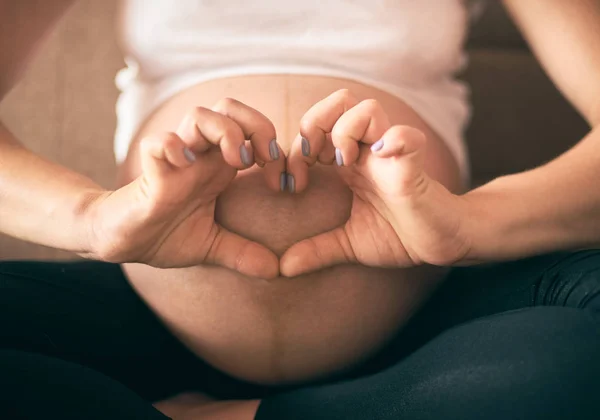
(400, 217)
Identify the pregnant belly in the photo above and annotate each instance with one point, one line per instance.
(287, 329)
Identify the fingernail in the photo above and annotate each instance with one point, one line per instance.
(273, 149)
(378, 145)
(305, 147)
(189, 155)
(282, 181)
(291, 183)
(245, 155)
(339, 159)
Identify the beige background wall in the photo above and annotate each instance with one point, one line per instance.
(64, 108)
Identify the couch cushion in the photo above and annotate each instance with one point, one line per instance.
(493, 28)
(520, 119)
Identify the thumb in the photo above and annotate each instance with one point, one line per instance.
(236, 253)
(321, 251)
(402, 153)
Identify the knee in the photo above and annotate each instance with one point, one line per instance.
(531, 363)
(547, 348)
(573, 281)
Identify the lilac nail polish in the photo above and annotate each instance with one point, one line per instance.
(273, 149)
(339, 159)
(189, 155)
(245, 155)
(377, 146)
(291, 183)
(305, 147)
(282, 181)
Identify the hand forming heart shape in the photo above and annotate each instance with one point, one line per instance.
(400, 216)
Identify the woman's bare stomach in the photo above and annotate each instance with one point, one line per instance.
(287, 329)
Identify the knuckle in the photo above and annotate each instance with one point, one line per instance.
(343, 129)
(397, 131)
(408, 133)
(231, 131)
(307, 122)
(196, 114)
(224, 104)
(346, 97)
(371, 106)
(270, 128)
(169, 139)
(146, 143)
(338, 130)
(262, 127)
(344, 94)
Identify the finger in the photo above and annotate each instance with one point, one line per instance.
(321, 251)
(297, 178)
(364, 123)
(203, 127)
(275, 174)
(164, 152)
(400, 140)
(297, 165)
(318, 121)
(404, 148)
(327, 155)
(256, 127)
(190, 133)
(236, 253)
(263, 139)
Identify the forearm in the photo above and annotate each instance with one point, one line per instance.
(553, 207)
(43, 202)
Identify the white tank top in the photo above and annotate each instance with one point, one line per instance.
(408, 48)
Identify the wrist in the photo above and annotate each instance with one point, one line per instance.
(491, 213)
(512, 217)
(85, 215)
(477, 227)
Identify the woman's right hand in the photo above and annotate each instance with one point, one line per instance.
(165, 218)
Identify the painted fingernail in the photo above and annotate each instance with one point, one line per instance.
(339, 159)
(245, 155)
(378, 145)
(273, 149)
(282, 181)
(305, 147)
(291, 183)
(189, 155)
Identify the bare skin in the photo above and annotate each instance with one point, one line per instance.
(197, 406)
(299, 329)
(364, 120)
(550, 195)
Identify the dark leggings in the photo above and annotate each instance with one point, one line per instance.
(518, 340)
